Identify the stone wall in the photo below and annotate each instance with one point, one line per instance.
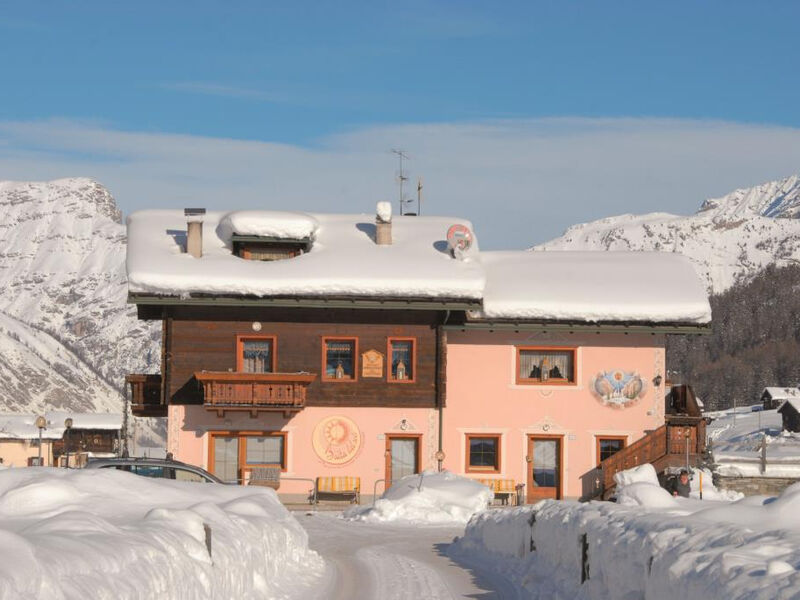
(752, 486)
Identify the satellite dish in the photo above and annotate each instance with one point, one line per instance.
(459, 239)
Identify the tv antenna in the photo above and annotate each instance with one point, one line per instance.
(401, 175)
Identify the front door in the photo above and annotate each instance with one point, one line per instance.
(402, 457)
(544, 467)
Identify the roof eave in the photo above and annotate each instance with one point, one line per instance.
(387, 303)
(625, 327)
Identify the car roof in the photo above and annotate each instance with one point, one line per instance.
(97, 463)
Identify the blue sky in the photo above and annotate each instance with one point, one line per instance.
(326, 89)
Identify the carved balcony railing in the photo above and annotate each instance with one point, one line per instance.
(146, 398)
(254, 392)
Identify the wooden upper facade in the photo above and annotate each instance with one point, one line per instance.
(203, 347)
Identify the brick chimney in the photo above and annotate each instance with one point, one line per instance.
(383, 224)
(194, 231)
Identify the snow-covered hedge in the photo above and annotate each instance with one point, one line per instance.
(430, 497)
(109, 534)
(691, 549)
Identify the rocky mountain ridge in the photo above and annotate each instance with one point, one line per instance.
(67, 335)
(729, 239)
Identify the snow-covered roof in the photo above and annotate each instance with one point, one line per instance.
(344, 260)
(23, 426)
(593, 286)
(781, 393)
(793, 402)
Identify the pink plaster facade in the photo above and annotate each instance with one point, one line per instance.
(483, 397)
(15, 453)
(191, 429)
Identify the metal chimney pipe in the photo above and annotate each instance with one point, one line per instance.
(194, 231)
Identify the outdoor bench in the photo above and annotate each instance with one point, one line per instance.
(504, 490)
(339, 488)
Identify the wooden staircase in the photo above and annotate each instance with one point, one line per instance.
(683, 433)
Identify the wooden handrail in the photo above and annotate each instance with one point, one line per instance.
(661, 447)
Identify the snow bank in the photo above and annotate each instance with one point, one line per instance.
(431, 497)
(736, 438)
(109, 534)
(714, 550)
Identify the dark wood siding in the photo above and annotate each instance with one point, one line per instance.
(204, 338)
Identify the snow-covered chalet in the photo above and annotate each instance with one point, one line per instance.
(352, 350)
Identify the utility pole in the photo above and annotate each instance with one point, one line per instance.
(401, 176)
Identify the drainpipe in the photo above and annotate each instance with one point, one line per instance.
(441, 366)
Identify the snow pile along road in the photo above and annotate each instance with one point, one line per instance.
(430, 497)
(653, 546)
(109, 534)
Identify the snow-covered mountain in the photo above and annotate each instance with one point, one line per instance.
(67, 336)
(728, 239)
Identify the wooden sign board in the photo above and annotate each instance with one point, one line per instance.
(371, 364)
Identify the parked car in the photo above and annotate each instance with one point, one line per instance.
(156, 467)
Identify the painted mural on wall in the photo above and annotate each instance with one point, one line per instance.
(618, 388)
(336, 440)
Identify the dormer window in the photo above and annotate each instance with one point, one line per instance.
(255, 247)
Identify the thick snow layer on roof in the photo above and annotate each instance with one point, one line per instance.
(103, 533)
(290, 225)
(782, 393)
(344, 259)
(593, 286)
(23, 426)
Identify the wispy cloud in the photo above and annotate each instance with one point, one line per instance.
(225, 91)
(520, 181)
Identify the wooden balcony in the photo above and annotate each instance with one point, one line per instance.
(663, 447)
(146, 398)
(254, 392)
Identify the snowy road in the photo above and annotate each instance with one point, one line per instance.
(389, 562)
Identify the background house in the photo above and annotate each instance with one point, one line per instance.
(91, 434)
(773, 397)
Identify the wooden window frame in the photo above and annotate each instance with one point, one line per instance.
(468, 468)
(240, 339)
(413, 378)
(549, 382)
(599, 438)
(242, 456)
(324, 371)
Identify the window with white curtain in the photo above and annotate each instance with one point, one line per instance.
(257, 355)
(542, 365)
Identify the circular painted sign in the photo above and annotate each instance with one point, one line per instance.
(336, 440)
(459, 238)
